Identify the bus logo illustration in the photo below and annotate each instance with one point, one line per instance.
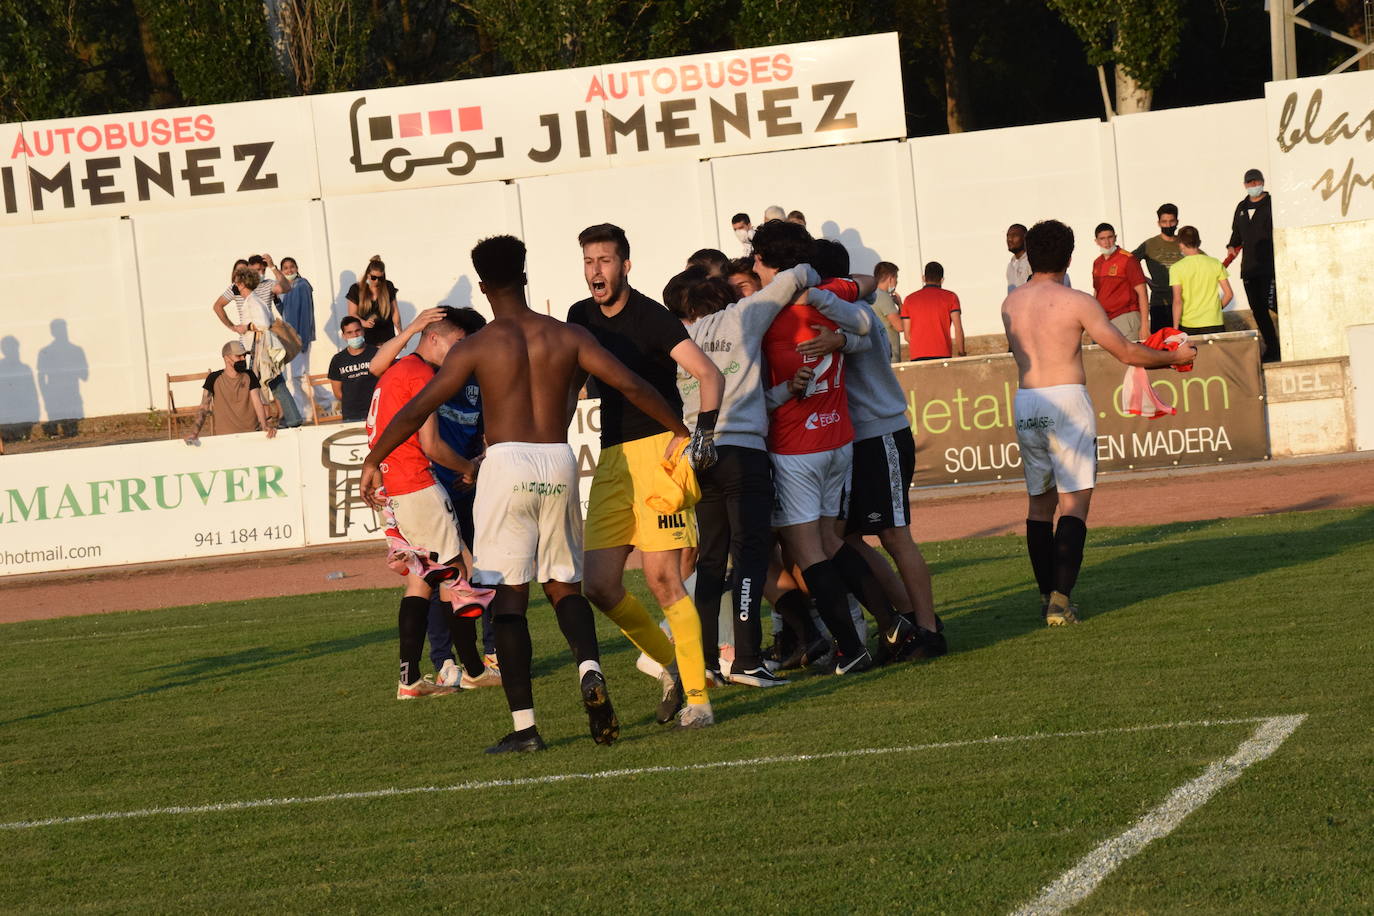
(342, 454)
(423, 130)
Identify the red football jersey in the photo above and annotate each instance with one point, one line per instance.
(819, 421)
(405, 470)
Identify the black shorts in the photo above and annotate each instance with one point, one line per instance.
(878, 496)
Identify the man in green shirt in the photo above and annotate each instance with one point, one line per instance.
(1158, 253)
(888, 307)
(1195, 279)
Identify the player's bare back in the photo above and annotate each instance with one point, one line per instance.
(1044, 321)
(518, 404)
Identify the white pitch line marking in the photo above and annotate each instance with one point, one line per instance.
(1076, 884)
(604, 774)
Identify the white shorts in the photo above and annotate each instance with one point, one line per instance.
(809, 487)
(528, 515)
(427, 521)
(1057, 431)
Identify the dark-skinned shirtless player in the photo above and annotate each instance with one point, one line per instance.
(528, 514)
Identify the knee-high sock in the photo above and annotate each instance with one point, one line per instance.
(1040, 546)
(578, 624)
(411, 621)
(464, 632)
(691, 665)
(1069, 537)
(862, 584)
(516, 653)
(795, 610)
(828, 591)
(640, 629)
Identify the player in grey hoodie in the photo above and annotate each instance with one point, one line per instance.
(733, 516)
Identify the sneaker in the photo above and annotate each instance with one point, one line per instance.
(448, 675)
(861, 662)
(757, 677)
(804, 656)
(421, 688)
(489, 660)
(927, 644)
(895, 640)
(605, 726)
(697, 716)
(672, 698)
(1059, 612)
(715, 678)
(488, 678)
(519, 742)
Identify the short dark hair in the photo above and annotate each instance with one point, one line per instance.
(1049, 245)
(467, 318)
(830, 258)
(781, 244)
(934, 271)
(797, 214)
(712, 259)
(675, 290)
(237, 263)
(1170, 209)
(694, 294)
(606, 232)
(1104, 227)
(739, 218)
(256, 260)
(283, 261)
(743, 266)
(884, 269)
(350, 319)
(1017, 226)
(500, 261)
(1188, 235)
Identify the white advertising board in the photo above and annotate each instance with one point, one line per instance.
(152, 501)
(1321, 149)
(331, 462)
(14, 177)
(683, 108)
(114, 165)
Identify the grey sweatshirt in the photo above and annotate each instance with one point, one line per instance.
(733, 339)
(877, 404)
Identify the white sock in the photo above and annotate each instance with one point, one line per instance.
(524, 718)
(588, 665)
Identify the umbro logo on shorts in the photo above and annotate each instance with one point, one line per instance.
(874, 516)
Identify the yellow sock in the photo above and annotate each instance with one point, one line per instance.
(691, 663)
(641, 630)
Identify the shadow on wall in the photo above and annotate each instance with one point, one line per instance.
(61, 370)
(339, 310)
(459, 295)
(861, 257)
(18, 394)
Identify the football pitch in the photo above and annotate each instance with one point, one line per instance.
(1203, 741)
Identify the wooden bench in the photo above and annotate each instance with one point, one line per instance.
(318, 415)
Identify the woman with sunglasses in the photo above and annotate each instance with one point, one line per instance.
(373, 302)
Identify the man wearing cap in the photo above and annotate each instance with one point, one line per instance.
(1252, 234)
(234, 395)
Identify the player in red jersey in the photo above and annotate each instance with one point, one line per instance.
(419, 506)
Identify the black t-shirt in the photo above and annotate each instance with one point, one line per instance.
(385, 328)
(641, 335)
(356, 380)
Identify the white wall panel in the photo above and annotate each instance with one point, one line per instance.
(14, 177)
(971, 186)
(72, 344)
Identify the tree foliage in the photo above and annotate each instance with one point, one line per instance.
(1140, 37)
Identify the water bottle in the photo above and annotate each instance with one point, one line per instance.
(334, 575)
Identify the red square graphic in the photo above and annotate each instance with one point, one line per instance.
(410, 125)
(441, 122)
(470, 118)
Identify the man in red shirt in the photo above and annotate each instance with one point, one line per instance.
(420, 506)
(928, 315)
(1119, 285)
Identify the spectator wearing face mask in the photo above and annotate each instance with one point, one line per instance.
(1252, 235)
(744, 232)
(1158, 253)
(234, 396)
(349, 372)
(298, 310)
(1119, 286)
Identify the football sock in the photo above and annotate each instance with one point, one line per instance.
(795, 610)
(832, 603)
(1040, 546)
(411, 622)
(588, 665)
(1069, 538)
(640, 629)
(523, 719)
(862, 584)
(516, 652)
(691, 665)
(578, 624)
(464, 630)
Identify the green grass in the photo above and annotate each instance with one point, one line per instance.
(292, 698)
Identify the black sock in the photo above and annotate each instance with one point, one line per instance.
(464, 630)
(747, 627)
(578, 623)
(411, 622)
(1068, 552)
(862, 584)
(832, 603)
(795, 610)
(514, 649)
(1040, 546)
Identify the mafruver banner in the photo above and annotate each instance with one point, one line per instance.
(962, 413)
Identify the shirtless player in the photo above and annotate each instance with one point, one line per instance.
(1055, 423)
(528, 514)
